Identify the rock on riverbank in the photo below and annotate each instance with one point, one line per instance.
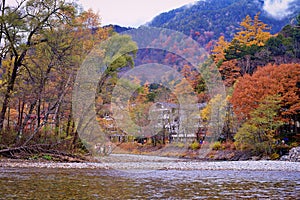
(294, 155)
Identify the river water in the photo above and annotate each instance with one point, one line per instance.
(42, 183)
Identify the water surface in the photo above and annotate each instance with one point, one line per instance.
(36, 183)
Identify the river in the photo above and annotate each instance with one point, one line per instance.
(75, 183)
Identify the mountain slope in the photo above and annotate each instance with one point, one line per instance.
(118, 29)
(207, 20)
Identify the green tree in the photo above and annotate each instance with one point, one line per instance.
(257, 133)
(139, 107)
(119, 52)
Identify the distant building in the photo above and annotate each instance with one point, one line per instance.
(170, 122)
(172, 117)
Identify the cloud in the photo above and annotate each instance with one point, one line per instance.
(280, 9)
(131, 12)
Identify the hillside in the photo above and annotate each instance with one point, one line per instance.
(207, 20)
(117, 28)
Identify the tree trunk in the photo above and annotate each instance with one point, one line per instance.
(57, 131)
(8, 118)
(247, 64)
(39, 111)
(68, 124)
(7, 95)
(20, 111)
(23, 125)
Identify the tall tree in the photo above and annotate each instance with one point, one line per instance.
(257, 133)
(253, 32)
(281, 80)
(213, 115)
(22, 27)
(247, 42)
(219, 50)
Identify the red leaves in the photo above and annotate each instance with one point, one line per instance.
(270, 80)
(230, 72)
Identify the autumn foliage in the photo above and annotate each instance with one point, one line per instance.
(42, 52)
(282, 80)
(262, 73)
(253, 32)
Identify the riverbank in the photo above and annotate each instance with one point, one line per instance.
(143, 162)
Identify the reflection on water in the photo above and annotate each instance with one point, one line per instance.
(162, 184)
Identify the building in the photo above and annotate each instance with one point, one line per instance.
(169, 122)
(179, 123)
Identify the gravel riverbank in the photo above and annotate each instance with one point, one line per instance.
(142, 162)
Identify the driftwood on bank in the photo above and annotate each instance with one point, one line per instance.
(41, 150)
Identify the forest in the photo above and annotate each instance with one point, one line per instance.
(261, 73)
(44, 43)
(207, 20)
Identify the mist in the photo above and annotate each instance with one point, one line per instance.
(280, 9)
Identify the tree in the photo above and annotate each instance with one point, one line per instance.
(118, 54)
(257, 133)
(49, 69)
(32, 18)
(252, 32)
(213, 115)
(230, 72)
(288, 41)
(57, 58)
(246, 44)
(219, 50)
(281, 80)
(139, 108)
(269, 80)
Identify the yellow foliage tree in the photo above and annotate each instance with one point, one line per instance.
(219, 48)
(253, 32)
(213, 115)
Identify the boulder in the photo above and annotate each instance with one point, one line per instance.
(293, 156)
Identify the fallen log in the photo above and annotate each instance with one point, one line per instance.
(25, 152)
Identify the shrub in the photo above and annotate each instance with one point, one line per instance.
(8, 137)
(47, 157)
(294, 144)
(275, 156)
(195, 145)
(216, 145)
(263, 148)
(228, 145)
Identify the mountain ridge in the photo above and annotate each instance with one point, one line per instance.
(213, 18)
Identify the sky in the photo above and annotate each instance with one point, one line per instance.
(131, 13)
(279, 8)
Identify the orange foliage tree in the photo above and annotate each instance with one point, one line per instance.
(230, 72)
(282, 80)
